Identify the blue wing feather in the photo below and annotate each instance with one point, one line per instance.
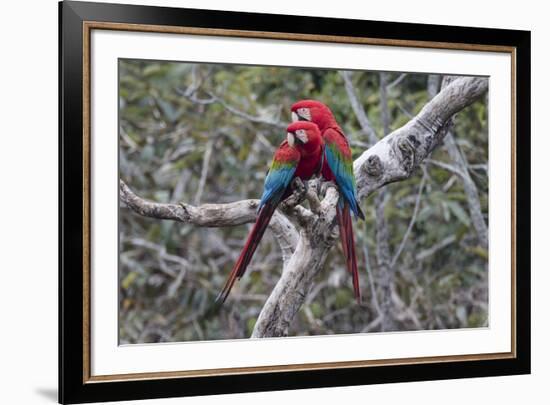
(276, 182)
(344, 179)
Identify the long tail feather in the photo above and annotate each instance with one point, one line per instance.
(360, 213)
(353, 258)
(342, 231)
(249, 248)
(348, 246)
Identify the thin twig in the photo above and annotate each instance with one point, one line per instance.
(245, 115)
(447, 166)
(436, 247)
(204, 170)
(411, 222)
(396, 81)
(370, 277)
(358, 108)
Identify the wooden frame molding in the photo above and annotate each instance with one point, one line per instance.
(88, 26)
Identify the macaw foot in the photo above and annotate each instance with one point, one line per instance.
(298, 194)
(325, 185)
(298, 186)
(312, 195)
(314, 185)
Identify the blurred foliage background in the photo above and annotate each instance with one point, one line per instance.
(206, 133)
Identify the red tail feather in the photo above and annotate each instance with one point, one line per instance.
(249, 248)
(348, 246)
(341, 228)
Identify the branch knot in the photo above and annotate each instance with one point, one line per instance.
(374, 166)
(184, 216)
(408, 151)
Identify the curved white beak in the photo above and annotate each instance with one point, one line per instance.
(290, 138)
(295, 117)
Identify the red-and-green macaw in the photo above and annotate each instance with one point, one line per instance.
(300, 155)
(337, 167)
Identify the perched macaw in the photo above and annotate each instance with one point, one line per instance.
(337, 167)
(300, 155)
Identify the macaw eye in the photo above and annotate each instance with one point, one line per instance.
(301, 134)
(304, 114)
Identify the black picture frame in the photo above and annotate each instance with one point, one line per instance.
(73, 387)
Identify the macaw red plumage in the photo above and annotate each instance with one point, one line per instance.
(337, 167)
(300, 155)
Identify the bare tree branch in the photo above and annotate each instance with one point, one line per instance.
(470, 188)
(384, 102)
(245, 115)
(358, 108)
(396, 81)
(446, 166)
(434, 85)
(436, 247)
(213, 98)
(292, 288)
(396, 156)
(411, 222)
(213, 215)
(204, 171)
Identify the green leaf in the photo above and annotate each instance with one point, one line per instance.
(128, 280)
(250, 323)
(459, 212)
(343, 298)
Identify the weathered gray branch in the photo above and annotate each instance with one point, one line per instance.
(292, 288)
(396, 156)
(213, 215)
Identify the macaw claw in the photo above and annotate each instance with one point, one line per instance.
(325, 185)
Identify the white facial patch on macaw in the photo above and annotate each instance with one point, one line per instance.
(301, 134)
(304, 113)
(290, 138)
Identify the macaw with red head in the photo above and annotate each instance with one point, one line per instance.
(337, 167)
(299, 156)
